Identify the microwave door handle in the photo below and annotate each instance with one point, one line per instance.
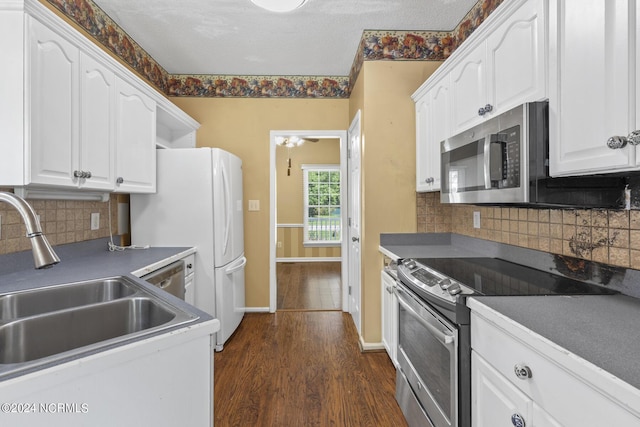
(441, 336)
(487, 162)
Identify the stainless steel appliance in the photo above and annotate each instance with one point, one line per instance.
(169, 278)
(433, 382)
(506, 160)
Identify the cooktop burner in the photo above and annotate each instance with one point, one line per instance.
(494, 276)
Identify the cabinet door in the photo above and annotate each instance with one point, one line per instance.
(135, 140)
(590, 85)
(96, 124)
(494, 400)
(468, 90)
(432, 126)
(516, 52)
(389, 317)
(53, 107)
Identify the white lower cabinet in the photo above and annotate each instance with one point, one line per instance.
(516, 383)
(389, 316)
(166, 380)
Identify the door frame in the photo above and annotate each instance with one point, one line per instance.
(273, 201)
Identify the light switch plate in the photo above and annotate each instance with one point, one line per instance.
(254, 205)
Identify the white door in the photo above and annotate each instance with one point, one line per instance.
(353, 209)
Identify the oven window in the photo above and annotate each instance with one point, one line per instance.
(430, 358)
(463, 168)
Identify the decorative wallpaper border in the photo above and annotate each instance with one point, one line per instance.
(374, 46)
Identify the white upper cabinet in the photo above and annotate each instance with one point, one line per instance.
(432, 126)
(97, 159)
(73, 118)
(593, 107)
(502, 65)
(135, 140)
(502, 68)
(53, 106)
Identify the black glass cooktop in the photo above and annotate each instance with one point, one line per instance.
(494, 276)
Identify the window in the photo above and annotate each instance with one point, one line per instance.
(322, 219)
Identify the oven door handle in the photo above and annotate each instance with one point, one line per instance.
(444, 338)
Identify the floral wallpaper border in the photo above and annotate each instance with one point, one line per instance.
(374, 46)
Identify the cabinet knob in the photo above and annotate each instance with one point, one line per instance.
(119, 180)
(77, 174)
(355, 239)
(634, 137)
(189, 266)
(429, 180)
(488, 108)
(522, 371)
(481, 111)
(616, 142)
(88, 174)
(517, 420)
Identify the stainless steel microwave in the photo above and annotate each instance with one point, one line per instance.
(505, 160)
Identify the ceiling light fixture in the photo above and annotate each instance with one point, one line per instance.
(280, 6)
(290, 141)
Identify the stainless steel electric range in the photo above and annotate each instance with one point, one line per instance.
(433, 385)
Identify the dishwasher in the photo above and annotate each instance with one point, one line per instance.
(169, 278)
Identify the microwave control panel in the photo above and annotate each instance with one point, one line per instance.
(505, 158)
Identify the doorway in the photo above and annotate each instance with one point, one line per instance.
(306, 248)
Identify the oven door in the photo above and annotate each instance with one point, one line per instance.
(428, 361)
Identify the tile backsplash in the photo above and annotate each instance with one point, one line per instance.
(62, 221)
(601, 235)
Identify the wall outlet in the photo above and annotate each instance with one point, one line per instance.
(476, 219)
(279, 245)
(95, 220)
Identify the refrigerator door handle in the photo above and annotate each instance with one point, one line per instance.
(233, 268)
(227, 209)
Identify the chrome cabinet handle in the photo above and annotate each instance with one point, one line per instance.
(484, 110)
(429, 180)
(119, 180)
(355, 239)
(517, 420)
(617, 142)
(522, 371)
(634, 137)
(81, 174)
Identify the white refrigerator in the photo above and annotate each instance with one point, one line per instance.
(199, 203)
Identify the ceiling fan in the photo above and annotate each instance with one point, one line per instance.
(291, 142)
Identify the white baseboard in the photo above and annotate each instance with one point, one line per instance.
(309, 259)
(370, 346)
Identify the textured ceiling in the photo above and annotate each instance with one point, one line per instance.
(235, 37)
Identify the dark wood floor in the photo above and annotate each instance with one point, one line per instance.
(299, 369)
(309, 286)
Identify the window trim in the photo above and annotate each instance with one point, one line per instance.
(305, 195)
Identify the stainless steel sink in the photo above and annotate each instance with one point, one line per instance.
(44, 300)
(47, 325)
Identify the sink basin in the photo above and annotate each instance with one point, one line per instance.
(48, 325)
(44, 335)
(44, 300)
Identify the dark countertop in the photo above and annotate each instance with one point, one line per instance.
(93, 260)
(602, 330)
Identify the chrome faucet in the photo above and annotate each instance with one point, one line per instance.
(43, 254)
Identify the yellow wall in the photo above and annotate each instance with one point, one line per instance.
(242, 127)
(383, 92)
(290, 196)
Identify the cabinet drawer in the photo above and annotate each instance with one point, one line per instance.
(568, 398)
